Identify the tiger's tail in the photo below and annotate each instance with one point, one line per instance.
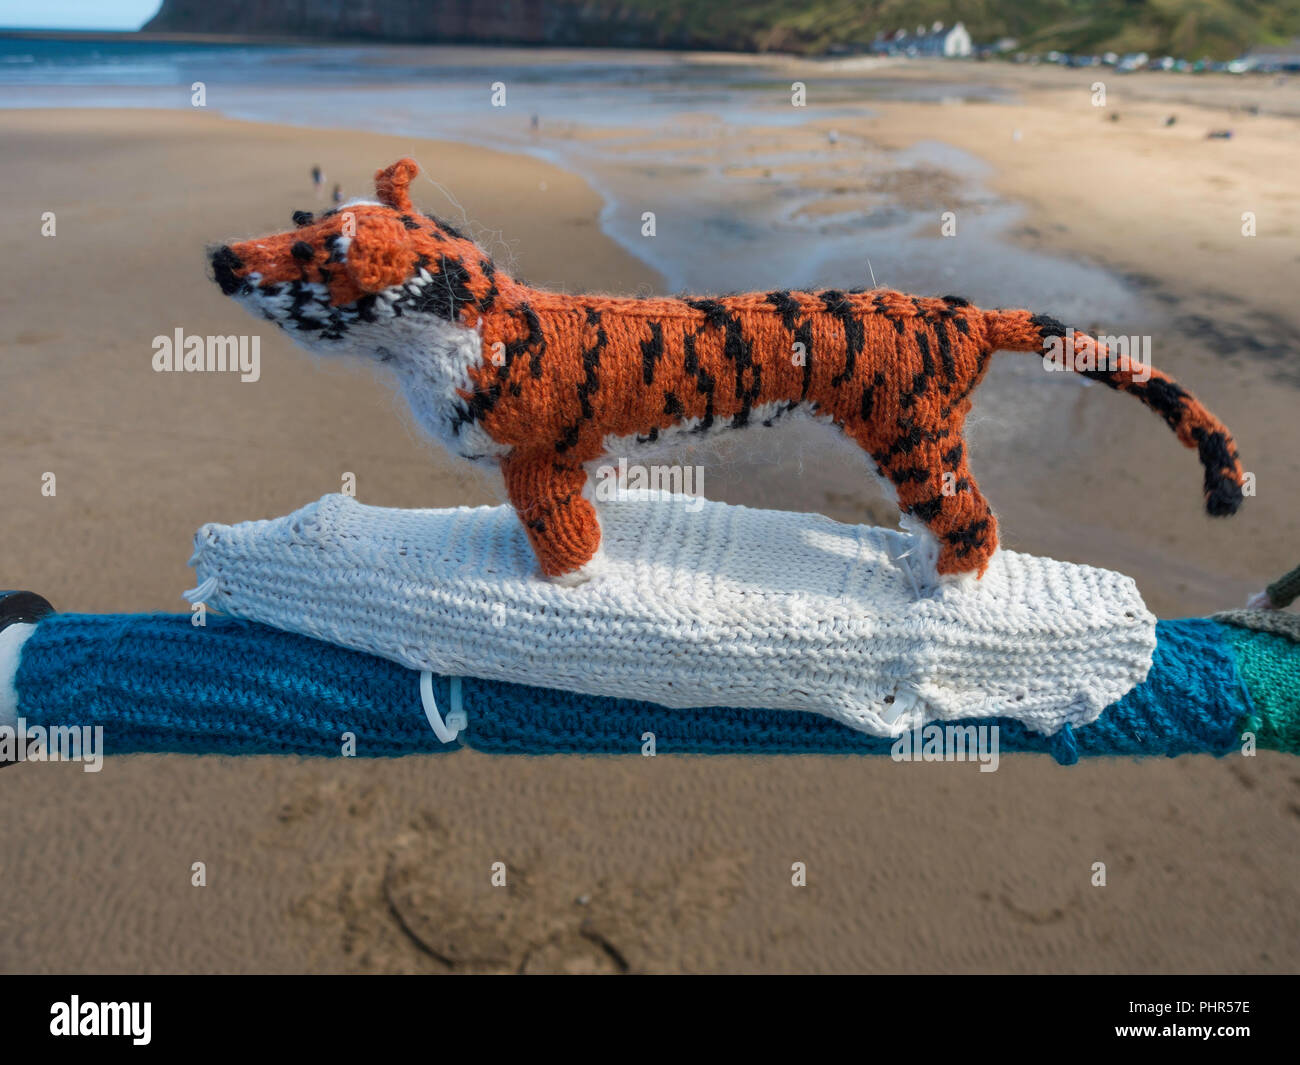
(1193, 424)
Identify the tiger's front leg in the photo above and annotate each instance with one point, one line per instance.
(936, 486)
(560, 521)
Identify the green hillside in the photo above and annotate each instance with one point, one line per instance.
(1220, 29)
(1191, 29)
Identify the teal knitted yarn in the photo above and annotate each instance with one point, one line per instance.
(159, 683)
(1269, 663)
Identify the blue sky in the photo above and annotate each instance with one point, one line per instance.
(77, 14)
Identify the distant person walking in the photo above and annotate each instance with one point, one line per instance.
(337, 195)
(317, 176)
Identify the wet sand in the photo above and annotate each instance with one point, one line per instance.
(667, 864)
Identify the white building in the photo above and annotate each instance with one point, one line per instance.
(951, 43)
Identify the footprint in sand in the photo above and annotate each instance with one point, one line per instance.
(423, 900)
(30, 336)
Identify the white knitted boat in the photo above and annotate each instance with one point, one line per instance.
(695, 604)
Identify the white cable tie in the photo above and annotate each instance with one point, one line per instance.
(456, 720)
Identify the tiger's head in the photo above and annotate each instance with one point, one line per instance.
(370, 277)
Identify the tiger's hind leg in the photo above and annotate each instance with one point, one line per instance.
(551, 501)
(935, 487)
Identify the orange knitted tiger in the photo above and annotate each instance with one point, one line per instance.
(544, 382)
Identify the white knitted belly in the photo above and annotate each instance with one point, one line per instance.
(433, 370)
(693, 430)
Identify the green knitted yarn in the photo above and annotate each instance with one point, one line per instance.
(1269, 663)
(1283, 591)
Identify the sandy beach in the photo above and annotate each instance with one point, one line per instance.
(669, 864)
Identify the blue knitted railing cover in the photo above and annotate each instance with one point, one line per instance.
(158, 683)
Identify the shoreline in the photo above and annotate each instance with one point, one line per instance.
(846, 63)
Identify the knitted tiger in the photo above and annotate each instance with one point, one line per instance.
(543, 382)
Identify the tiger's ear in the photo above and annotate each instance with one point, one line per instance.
(393, 183)
(380, 254)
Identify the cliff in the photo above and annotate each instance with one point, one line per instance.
(535, 22)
